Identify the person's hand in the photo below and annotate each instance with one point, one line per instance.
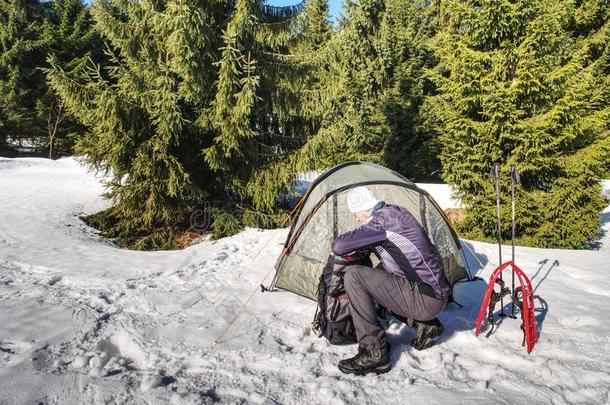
(351, 256)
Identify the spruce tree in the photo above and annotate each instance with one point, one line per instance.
(525, 83)
(196, 98)
(377, 71)
(74, 44)
(363, 94)
(313, 26)
(24, 43)
(142, 112)
(265, 110)
(30, 31)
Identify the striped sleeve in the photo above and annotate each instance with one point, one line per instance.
(365, 236)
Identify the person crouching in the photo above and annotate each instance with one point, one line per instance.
(412, 283)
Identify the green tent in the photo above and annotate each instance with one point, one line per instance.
(322, 214)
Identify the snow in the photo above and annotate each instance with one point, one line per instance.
(442, 194)
(83, 322)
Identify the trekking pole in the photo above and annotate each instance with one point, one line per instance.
(514, 179)
(496, 170)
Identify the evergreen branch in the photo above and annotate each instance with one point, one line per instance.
(280, 13)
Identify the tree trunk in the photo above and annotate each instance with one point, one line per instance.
(52, 126)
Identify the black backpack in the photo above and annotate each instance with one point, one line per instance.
(332, 319)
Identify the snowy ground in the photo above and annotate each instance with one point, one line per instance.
(84, 322)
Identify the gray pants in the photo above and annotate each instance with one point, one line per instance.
(365, 286)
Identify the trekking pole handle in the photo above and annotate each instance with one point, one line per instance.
(514, 174)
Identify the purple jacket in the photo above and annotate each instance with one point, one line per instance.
(402, 245)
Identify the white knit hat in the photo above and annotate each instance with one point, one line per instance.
(361, 199)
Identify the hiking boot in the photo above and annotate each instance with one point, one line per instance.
(375, 360)
(426, 332)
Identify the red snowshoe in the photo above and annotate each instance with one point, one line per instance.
(525, 303)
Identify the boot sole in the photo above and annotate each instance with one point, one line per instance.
(376, 370)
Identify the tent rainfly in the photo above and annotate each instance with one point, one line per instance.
(322, 214)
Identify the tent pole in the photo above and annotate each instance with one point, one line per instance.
(335, 217)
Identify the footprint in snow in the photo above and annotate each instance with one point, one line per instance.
(54, 280)
(12, 353)
(579, 321)
(11, 241)
(221, 256)
(153, 381)
(312, 348)
(104, 297)
(6, 350)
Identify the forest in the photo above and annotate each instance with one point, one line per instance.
(224, 104)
